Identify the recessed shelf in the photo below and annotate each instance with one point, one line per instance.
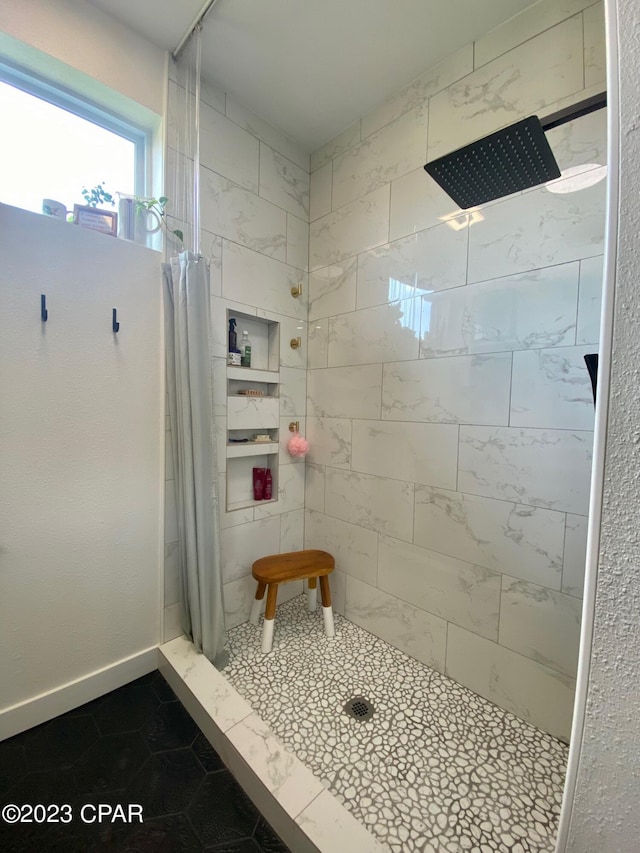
(251, 448)
(247, 504)
(252, 374)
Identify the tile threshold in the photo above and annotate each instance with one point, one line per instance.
(304, 813)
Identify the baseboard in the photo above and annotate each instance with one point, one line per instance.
(18, 718)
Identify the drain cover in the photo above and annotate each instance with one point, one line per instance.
(359, 708)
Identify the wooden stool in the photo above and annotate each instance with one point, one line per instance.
(280, 568)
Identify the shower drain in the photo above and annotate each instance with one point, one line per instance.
(359, 708)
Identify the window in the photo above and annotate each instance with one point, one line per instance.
(53, 144)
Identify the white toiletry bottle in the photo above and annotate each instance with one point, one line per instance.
(245, 350)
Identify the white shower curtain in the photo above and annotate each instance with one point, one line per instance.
(189, 383)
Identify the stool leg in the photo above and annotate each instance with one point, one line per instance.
(269, 618)
(327, 610)
(256, 607)
(312, 594)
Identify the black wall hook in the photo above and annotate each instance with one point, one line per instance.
(114, 321)
(44, 314)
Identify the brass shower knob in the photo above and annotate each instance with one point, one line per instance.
(294, 343)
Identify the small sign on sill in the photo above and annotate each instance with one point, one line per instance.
(96, 219)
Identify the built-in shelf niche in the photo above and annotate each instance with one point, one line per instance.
(264, 336)
(250, 415)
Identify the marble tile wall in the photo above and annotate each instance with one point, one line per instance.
(449, 409)
(255, 234)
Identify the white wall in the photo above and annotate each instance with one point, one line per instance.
(605, 813)
(80, 464)
(449, 409)
(89, 41)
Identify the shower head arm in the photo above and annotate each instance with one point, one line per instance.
(582, 108)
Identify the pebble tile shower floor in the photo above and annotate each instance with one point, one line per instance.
(436, 769)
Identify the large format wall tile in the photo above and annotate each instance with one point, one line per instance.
(293, 392)
(314, 487)
(464, 389)
(241, 216)
(255, 279)
(551, 389)
(528, 689)
(590, 301)
(575, 555)
(345, 392)
(580, 142)
(317, 343)
(535, 309)
(433, 80)
(537, 229)
(377, 503)
(541, 624)
(240, 546)
(332, 290)
(297, 242)
(595, 52)
(330, 440)
(349, 230)
(336, 146)
(418, 202)
(507, 537)
(284, 183)
(291, 531)
(320, 190)
(418, 633)
(228, 150)
(459, 592)
(355, 549)
(422, 453)
(514, 85)
(549, 468)
(528, 24)
(396, 149)
(266, 132)
(384, 333)
(434, 259)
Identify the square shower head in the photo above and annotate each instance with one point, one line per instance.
(512, 159)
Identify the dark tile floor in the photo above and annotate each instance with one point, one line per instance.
(137, 746)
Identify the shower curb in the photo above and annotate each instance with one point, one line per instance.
(306, 815)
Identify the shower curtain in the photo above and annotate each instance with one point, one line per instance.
(189, 378)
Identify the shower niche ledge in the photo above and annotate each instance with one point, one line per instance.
(253, 412)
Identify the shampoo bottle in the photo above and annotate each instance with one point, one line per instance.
(245, 350)
(258, 484)
(234, 356)
(268, 485)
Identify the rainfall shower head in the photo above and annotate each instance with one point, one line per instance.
(512, 159)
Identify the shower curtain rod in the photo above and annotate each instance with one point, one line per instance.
(197, 21)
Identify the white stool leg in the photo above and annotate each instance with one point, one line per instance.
(256, 607)
(327, 610)
(269, 618)
(267, 636)
(312, 594)
(327, 614)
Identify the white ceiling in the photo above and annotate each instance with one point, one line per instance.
(312, 67)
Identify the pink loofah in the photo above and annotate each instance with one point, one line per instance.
(297, 445)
